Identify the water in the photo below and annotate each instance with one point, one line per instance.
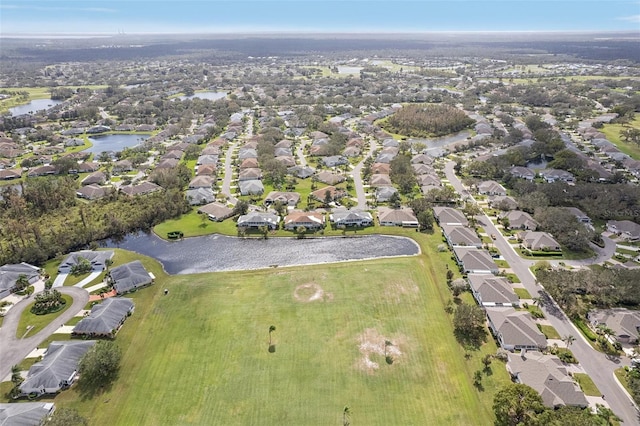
(213, 253)
(33, 106)
(212, 96)
(115, 143)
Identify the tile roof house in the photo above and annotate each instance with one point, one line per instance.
(380, 168)
(449, 216)
(251, 187)
(491, 187)
(534, 240)
(129, 277)
(199, 196)
(626, 229)
(490, 290)
(430, 180)
(202, 181)
(548, 376)
(520, 220)
(380, 180)
(58, 368)
(352, 217)
(25, 414)
(105, 319)
(249, 163)
(9, 274)
(285, 160)
(287, 198)
(334, 193)
(458, 235)
(624, 322)
(310, 220)
(397, 217)
(515, 330)
(330, 178)
(206, 170)
(98, 260)
(258, 219)
(91, 192)
(474, 260)
(10, 174)
(216, 211)
(250, 174)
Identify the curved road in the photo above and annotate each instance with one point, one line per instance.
(12, 349)
(596, 364)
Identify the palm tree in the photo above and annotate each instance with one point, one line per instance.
(346, 414)
(272, 328)
(568, 340)
(16, 377)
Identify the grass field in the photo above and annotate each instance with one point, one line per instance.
(586, 384)
(549, 332)
(612, 132)
(522, 293)
(200, 354)
(38, 322)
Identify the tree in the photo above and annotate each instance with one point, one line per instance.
(468, 322)
(272, 328)
(21, 283)
(66, 417)
(300, 231)
(241, 208)
(388, 357)
(568, 340)
(100, 365)
(517, 405)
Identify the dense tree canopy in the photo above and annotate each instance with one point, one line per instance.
(423, 120)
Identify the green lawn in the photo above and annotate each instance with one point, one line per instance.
(199, 355)
(549, 332)
(38, 322)
(522, 293)
(612, 132)
(586, 384)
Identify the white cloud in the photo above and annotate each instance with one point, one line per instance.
(633, 18)
(57, 8)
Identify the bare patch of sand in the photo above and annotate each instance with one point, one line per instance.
(395, 290)
(370, 343)
(311, 292)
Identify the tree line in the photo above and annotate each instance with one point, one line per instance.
(424, 120)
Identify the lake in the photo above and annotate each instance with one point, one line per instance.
(212, 96)
(115, 142)
(213, 253)
(33, 106)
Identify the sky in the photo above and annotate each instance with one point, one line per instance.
(323, 16)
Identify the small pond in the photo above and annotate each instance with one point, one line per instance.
(33, 106)
(213, 253)
(212, 96)
(115, 142)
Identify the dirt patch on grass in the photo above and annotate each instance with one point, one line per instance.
(372, 345)
(311, 292)
(395, 290)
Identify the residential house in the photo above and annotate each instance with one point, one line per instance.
(143, 188)
(502, 202)
(489, 290)
(105, 319)
(548, 376)
(249, 163)
(250, 174)
(385, 193)
(122, 166)
(534, 240)
(129, 277)
(423, 169)
(91, 192)
(625, 323)
(330, 178)
(247, 153)
(421, 159)
(25, 413)
(216, 211)
(430, 180)
(9, 274)
(449, 216)
(555, 175)
(251, 187)
(97, 178)
(384, 158)
(347, 218)
(397, 217)
(380, 168)
(10, 174)
(206, 170)
(475, 261)
(257, 219)
(287, 198)
(380, 180)
(520, 220)
(458, 235)
(580, 215)
(282, 152)
(97, 259)
(515, 330)
(311, 221)
(199, 196)
(626, 229)
(43, 171)
(202, 181)
(287, 161)
(168, 163)
(57, 370)
(88, 167)
(491, 187)
(207, 159)
(301, 172)
(522, 173)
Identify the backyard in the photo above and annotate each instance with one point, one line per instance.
(199, 355)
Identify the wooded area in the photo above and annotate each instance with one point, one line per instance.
(425, 120)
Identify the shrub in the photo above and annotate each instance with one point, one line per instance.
(589, 334)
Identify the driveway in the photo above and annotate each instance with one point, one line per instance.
(59, 281)
(14, 350)
(597, 365)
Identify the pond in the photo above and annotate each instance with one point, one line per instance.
(115, 142)
(214, 253)
(212, 96)
(33, 106)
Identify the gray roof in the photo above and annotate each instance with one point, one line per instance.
(548, 376)
(396, 216)
(217, 210)
(200, 196)
(459, 235)
(449, 215)
(519, 219)
(105, 317)
(491, 187)
(623, 322)
(24, 414)
(516, 328)
(384, 193)
(248, 187)
(474, 259)
(97, 259)
(58, 367)
(342, 216)
(492, 289)
(129, 276)
(9, 274)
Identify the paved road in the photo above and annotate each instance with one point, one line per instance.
(302, 160)
(598, 366)
(357, 177)
(14, 350)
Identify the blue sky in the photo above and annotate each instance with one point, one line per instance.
(224, 16)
